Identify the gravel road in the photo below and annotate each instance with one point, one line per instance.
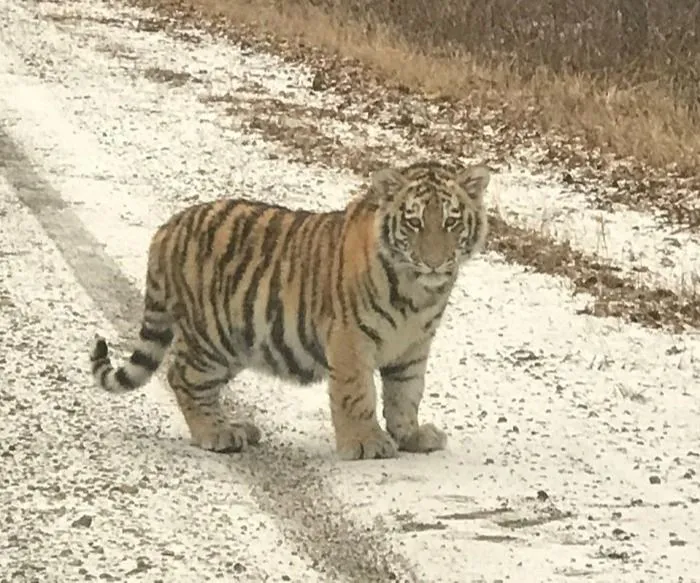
(573, 440)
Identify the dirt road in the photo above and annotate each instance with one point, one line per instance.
(573, 440)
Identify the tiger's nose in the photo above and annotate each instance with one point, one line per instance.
(434, 259)
(434, 253)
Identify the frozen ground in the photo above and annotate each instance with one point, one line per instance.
(573, 440)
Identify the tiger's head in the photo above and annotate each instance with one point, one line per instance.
(431, 217)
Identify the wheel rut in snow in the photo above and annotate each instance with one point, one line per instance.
(285, 482)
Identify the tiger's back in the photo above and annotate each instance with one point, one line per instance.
(251, 283)
(235, 284)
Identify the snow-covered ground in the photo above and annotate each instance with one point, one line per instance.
(573, 440)
(108, 45)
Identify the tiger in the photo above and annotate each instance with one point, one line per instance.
(236, 283)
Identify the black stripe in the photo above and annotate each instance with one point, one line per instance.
(100, 351)
(191, 225)
(368, 414)
(176, 263)
(197, 323)
(328, 239)
(167, 232)
(222, 331)
(277, 337)
(315, 248)
(218, 303)
(346, 380)
(300, 243)
(391, 370)
(312, 273)
(275, 312)
(193, 390)
(207, 236)
(143, 360)
(240, 244)
(370, 293)
(253, 292)
(316, 349)
(469, 225)
(228, 284)
(231, 287)
(199, 359)
(434, 320)
(403, 378)
(152, 284)
(162, 337)
(199, 285)
(187, 329)
(123, 379)
(440, 292)
(233, 241)
(340, 277)
(243, 223)
(397, 300)
(200, 214)
(386, 233)
(349, 401)
(311, 348)
(270, 359)
(311, 252)
(367, 330)
(478, 226)
(413, 307)
(358, 209)
(275, 280)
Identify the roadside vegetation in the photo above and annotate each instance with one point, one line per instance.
(619, 75)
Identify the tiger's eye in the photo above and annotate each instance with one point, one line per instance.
(414, 223)
(451, 222)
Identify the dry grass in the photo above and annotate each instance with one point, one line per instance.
(633, 41)
(627, 88)
(612, 292)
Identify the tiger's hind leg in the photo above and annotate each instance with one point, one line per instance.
(197, 387)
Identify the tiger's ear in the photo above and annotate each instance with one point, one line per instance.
(385, 183)
(474, 180)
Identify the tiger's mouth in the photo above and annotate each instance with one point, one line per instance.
(433, 278)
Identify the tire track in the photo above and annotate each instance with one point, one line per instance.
(285, 481)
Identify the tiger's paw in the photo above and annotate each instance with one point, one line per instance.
(425, 439)
(372, 444)
(228, 438)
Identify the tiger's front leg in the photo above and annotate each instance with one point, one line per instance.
(353, 400)
(403, 386)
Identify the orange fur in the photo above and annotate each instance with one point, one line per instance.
(304, 296)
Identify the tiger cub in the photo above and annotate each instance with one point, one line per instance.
(305, 296)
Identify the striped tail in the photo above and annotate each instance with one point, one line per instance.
(144, 361)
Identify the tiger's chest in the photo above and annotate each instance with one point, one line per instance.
(414, 324)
